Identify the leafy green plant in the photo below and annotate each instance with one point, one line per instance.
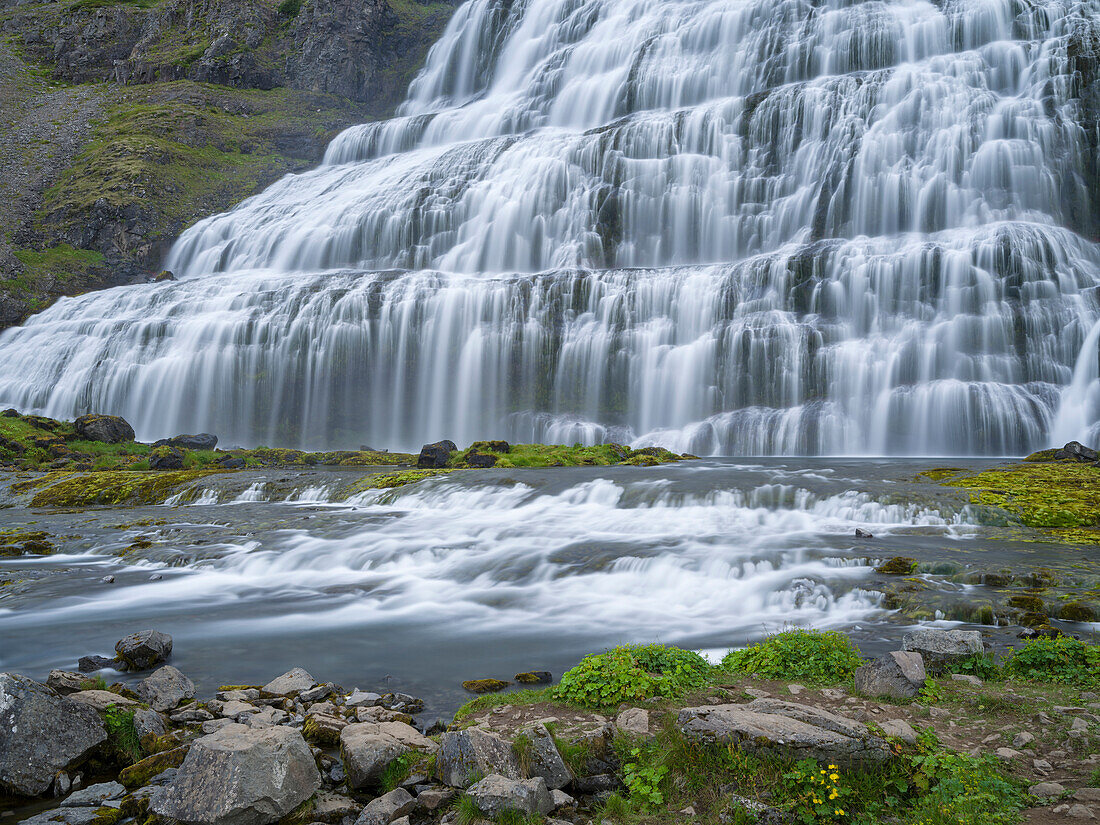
(395, 773)
(96, 683)
(818, 793)
(643, 779)
(982, 665)
(632, 674)
(122, 736)
(809, 655)
(930, 693)
(1063, 660)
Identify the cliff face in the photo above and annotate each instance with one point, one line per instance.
(121, 123)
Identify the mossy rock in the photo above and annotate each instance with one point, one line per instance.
(114, 487)
(320, 735)
(484, 685)
(534, 677)
(1076, 612)
(1027, 602)
(897, 566)
(139, 774)
(107, 816)
(34, 543)
(1043, 455)
(1034, 620)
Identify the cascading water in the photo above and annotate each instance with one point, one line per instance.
(724, 226)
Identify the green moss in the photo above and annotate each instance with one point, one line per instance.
(139, 774)
(114, 487)
(32, 543)
(107, 816)
(318, 734)
(940, 473)
(560, 455)
(1076, 612)
(484, 685)
(1027, 601)
(897, 566)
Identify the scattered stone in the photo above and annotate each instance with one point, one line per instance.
(496, 794)
(65, 681)
(184, 717)
(942, 647)
(795, 689)
(785, 729)
(108, 580)
(387, 808)
(1042, 766)
(1008, 753)
(466, 754)
(317, 694)
(634, 721)
(44, 733)
(90, 664)
(240, 776)
(835, 694)
(142, 650)
(368, 748)
(898, 675)
(1046, 790)
(435, 798)
(435, 456)
(332, 808)
(1079, 725)
(1079, 811)
(534, 677)
(1022, 740)
(165, 688)
(756, 693)
(560, 799)
(110, 429)
(360, 699)
(899, 729)
(967, 679)
(93, 795)
(484, 685)
(290, 683)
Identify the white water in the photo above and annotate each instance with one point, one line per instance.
(725, 226)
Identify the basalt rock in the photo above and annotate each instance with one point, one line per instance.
(142, 650)
(498, 795)
(165, 688)
(938, 648)
(111, 429)
(899, 675)
(435, 456)
(41, 734)
(468, 754)
(201, 441)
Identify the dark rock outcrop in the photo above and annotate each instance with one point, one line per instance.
(435, 456)
(142, 650)
(111, 429)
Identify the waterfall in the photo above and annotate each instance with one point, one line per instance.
(723, 226)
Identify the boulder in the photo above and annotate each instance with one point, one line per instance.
(142, 650)
(43, 733)
(634, 721)
(166, 458)
(111, 429)
(292, 682)
(1078, 451)
(900, 729)
(899, 675)
(435, 456)
(149, 723)
(165, 688)
(941, 647)
(496, 795)
(466, 754)
(786, 730)
(102, 699)
(367, 748)
(386, 808)
(534, 677)
(90, 664)
(201, 441)
(543, 760)
(65, 681)
(240, 776)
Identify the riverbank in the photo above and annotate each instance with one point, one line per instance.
(797, 729)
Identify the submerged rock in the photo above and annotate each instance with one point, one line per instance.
(240, 776)
(484, 685)
(785, 729)
(435, 456)
(111, 429)
(42, 734)
(142, 650)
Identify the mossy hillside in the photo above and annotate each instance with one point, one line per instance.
(114, 487)
(561, 455)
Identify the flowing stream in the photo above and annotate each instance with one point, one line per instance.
(733, 227)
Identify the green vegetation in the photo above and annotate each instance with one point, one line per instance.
(559, 455)
(122, 736)
(114, 487)
(1063, 660)
(494, 700)
(632, 674)
(809, 655)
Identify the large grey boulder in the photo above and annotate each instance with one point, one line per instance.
(495, 795)
(542, 759)
(368, 747)
(771, 727)
(293, 681)
(898, 675)
(939, 648)
(111, 429)
(465, 755)
(240, 776)
(41, 733)
(386, 808)
(142, 650)
(165, 688)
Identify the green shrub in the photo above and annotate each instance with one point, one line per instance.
(632, 674)
(1062, 660)
(122, 737)
(810, 655)
(982, 665)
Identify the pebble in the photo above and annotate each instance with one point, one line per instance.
(795, 689)
(967, 678)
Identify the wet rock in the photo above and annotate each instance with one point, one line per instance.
(543, 759)
(90, 664)
(899, 675)
(534, 677)
(496, 795)
(466, 754)
(897, 566)
(111, 429)
(484, 685)
(142, 650)
(165, 688)
(201, 441)
(435, 456)
(942, 647)
(44, 733)
(386, 808)
(65, 681)
(863, 534)
(785, 729)
(361, 699)
(240, 776)
(290, 683)
(598, 783)
(93, 795)
(402, 702)
(1079, 452)
(367, 748)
